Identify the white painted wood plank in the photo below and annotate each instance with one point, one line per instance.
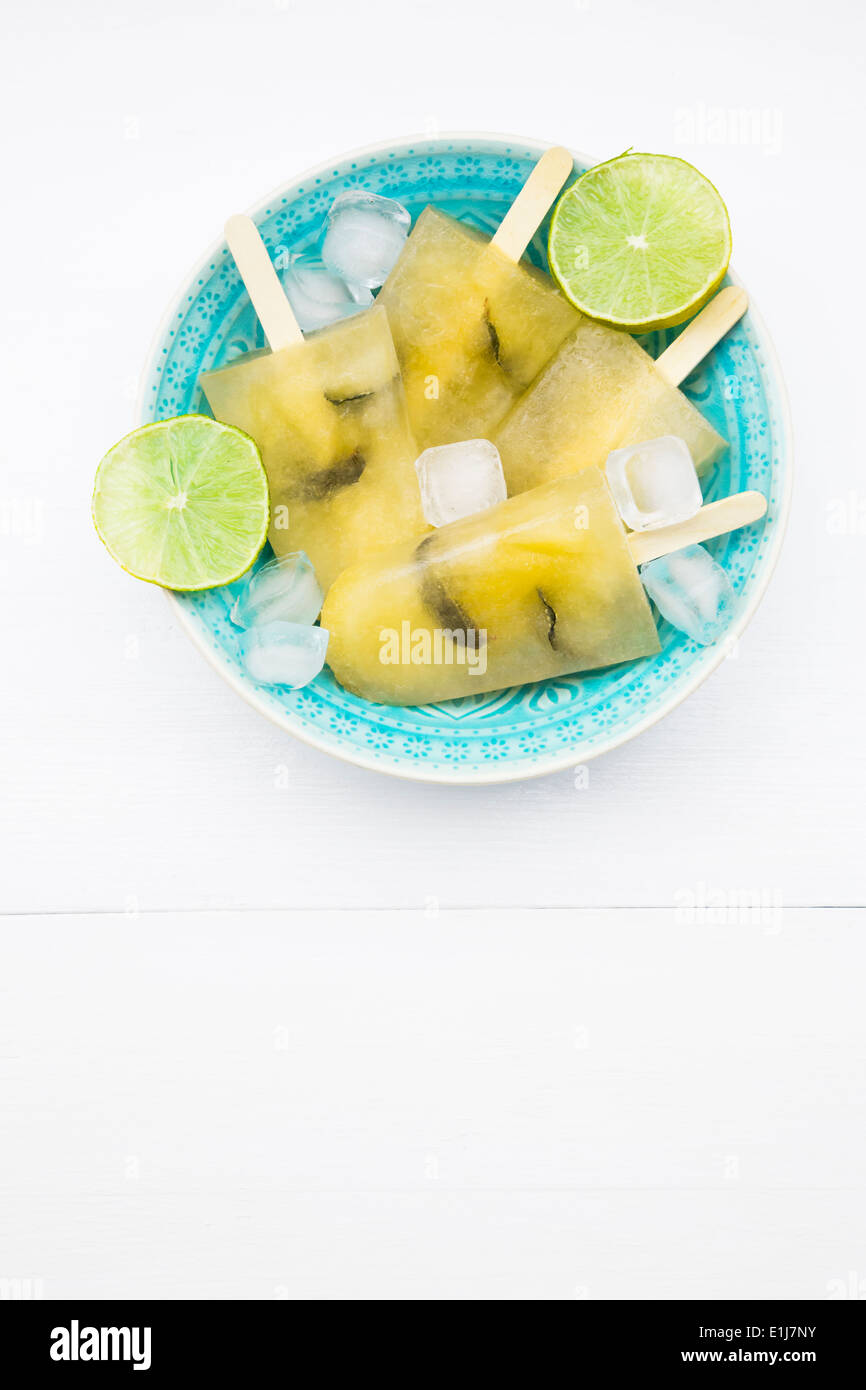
(501, 1104)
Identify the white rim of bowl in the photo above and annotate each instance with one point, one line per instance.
(460, 776)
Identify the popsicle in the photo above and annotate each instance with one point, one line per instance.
(472, 324)
(601, 391)
(329, 415)
(542, 585)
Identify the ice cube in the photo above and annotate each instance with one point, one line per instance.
(318, 296)
(284, 590)
(692, 591)
(284, 653)
(364, 237)
(654, 483)
(459, 479)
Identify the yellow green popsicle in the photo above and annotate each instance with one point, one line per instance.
(601, 391)
(329, 416)
(541, 585)
(472, 324)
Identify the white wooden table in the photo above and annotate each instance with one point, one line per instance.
(271, 1026)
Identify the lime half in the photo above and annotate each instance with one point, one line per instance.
(640, 242)
(183, 503)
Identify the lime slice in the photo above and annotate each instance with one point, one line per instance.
(640, 242)
(183, 503)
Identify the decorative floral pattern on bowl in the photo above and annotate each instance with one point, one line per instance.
(530, 729)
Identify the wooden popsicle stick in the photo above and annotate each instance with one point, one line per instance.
(709, 327)
(728, 514)
(533, 202)
(262, 283)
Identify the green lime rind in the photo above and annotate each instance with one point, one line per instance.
(640, 242)
(183, 503)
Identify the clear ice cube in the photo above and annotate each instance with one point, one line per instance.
(692, 591)
(318, 296)
(289, 654)
(459, 479)
(654, 483)
(365, 234)
(283, 590)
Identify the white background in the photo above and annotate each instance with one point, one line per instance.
(274, 1026)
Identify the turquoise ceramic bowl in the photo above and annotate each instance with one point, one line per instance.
(532, 729)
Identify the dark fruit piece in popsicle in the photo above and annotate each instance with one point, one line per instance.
(338, 475)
